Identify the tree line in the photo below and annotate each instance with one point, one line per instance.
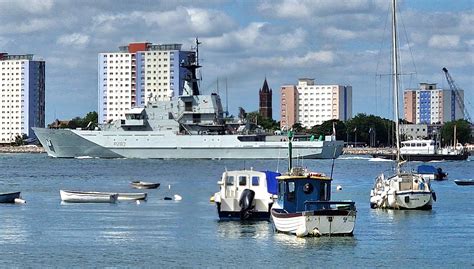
(368, 130)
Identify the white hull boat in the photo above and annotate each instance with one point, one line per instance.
(144, 185)
(304, 206)
(87, 197)
(131, 196)
(311, 224)
(400, 190)
(244, 195)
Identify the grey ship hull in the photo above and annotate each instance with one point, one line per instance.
(67, 143)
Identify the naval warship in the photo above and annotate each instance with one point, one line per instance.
(189, 126)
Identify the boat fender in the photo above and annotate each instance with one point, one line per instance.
(315, 232)
(392, 198)
(245, 202)
(434, 196)
(19, 201)
(301, 232)
(407, 199)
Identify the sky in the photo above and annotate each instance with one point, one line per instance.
(344, 42)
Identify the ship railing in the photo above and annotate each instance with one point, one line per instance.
(329, 205)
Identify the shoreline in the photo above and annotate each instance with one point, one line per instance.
(22, 149)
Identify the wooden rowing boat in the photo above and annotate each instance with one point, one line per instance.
(144, 185)
(87, 197)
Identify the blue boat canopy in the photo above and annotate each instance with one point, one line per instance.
(272, 182)
(427, 169)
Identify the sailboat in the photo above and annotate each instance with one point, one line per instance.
(304, 206)
(401, 190)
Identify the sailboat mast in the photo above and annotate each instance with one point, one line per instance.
(395, 79)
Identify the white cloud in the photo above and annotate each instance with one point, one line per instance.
(27, 26)
(444, 41)
(30, 6)
(189, 21)
(75, 39)
(304, 9)
(339, 33)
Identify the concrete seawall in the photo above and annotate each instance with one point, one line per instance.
(22, 149)
(366, 151)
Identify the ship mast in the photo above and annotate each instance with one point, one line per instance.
(192, 64)
(395, 81)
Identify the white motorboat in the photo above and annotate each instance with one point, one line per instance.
(304, 205)
(400, 190)
(87, 197)
(245, 195)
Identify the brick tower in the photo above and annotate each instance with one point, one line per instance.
(265, 104)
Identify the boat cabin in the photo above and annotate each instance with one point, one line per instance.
(233, 183)
(135, 117)
(303, 192)
(418, 147)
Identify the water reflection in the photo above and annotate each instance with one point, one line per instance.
(398, 215)
(324, 242)
(244, 229)
(13, 227)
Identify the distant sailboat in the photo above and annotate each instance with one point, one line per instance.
(401, 190)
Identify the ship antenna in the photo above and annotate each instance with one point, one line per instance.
(226, 99)
(197, 51)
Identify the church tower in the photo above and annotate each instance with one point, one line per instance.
(265, 107)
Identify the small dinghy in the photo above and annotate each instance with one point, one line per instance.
(131, 196)
(464, 182)
(9, 197)
(144, 185)
(88, 197)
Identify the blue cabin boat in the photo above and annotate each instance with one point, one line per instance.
(304, 205)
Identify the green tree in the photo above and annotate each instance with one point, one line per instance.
(265, 123)
(298, 128)
(89, 121)
(362, 126)
(75, 123)
(463, 132)
(20, 139)
(326, 128)
(91, 118)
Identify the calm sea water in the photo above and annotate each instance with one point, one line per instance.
(159, 233)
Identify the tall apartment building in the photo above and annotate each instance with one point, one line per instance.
(311, 104)
(23, 96)
(429, 104)
(137, 73)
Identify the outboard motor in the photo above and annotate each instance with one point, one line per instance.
(440, 174)
(245, 203)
